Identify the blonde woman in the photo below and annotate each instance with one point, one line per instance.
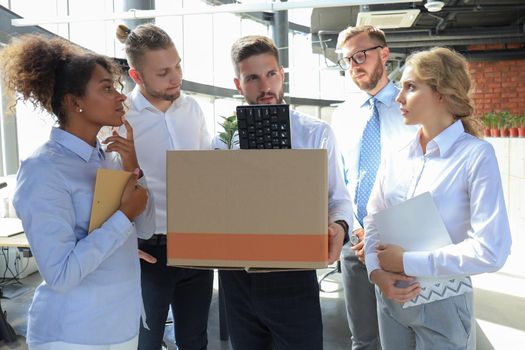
(447, 159)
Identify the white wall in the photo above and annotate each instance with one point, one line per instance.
(510, 153)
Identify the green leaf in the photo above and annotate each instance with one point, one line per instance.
(230, 128)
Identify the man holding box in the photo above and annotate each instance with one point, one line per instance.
(281, 310)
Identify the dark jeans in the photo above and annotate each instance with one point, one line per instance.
(277, 310)
(189, 292)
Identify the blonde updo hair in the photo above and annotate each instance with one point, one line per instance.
(446, 72)
(139, 40)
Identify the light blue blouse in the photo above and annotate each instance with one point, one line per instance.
(90, 292)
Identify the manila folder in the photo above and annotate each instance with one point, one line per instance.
(109, 186)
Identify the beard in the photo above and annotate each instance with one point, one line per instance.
(279, 97)
(375, 76)
(160, 95)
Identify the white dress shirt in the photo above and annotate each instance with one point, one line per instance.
(181, 127)
(310, 133)
(461, 173)
(349, 121)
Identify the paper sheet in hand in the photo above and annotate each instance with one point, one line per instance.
(416, 225)
(109, 186)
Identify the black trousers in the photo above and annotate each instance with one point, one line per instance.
(189, 293)
(277, 310)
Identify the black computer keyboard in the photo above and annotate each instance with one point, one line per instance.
(264, 126)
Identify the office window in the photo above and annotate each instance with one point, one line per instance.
(250, 27)
(224, 107)
(101, 33)
(206, 104)
(226, 29)
(40, 8)
(33, 128)
(331, 85)
(198, 48)
(8, 133)
(204, 42)
(304, 67)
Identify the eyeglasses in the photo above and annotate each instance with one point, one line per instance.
(359, 58)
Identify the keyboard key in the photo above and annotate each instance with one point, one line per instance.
(264, 126)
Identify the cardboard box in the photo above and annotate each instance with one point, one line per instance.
(247, 208)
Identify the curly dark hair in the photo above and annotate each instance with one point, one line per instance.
(44, 70)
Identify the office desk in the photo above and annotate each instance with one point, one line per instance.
(18, 241)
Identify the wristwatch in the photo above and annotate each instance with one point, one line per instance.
(354, 239)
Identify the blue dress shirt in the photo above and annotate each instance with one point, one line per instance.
(349, 121)
(90, 292)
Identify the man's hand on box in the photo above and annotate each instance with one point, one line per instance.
(336, 236)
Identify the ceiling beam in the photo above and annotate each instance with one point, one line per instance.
(227, 8)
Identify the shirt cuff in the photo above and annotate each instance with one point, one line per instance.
(142, 181)
(120, 222)
(372, 263)
(416, 263)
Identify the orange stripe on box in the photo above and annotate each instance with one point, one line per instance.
(250, 247)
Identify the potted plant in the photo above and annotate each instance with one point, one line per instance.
(521, 125)
(230, 130)
(513, 125)
(504, 118)
(487, 121)
(491, 122)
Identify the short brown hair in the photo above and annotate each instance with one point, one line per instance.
(251, 45)
(373, 32)
(144, 37)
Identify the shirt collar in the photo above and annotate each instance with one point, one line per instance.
(76, 145)
(442, 142)
(387, 95)
(448, 137)
(141, 103)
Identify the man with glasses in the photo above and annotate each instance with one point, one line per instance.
(365, 126)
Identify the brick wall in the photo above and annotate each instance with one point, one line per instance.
(498, 85)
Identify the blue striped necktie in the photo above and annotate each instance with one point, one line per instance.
(369, 159)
